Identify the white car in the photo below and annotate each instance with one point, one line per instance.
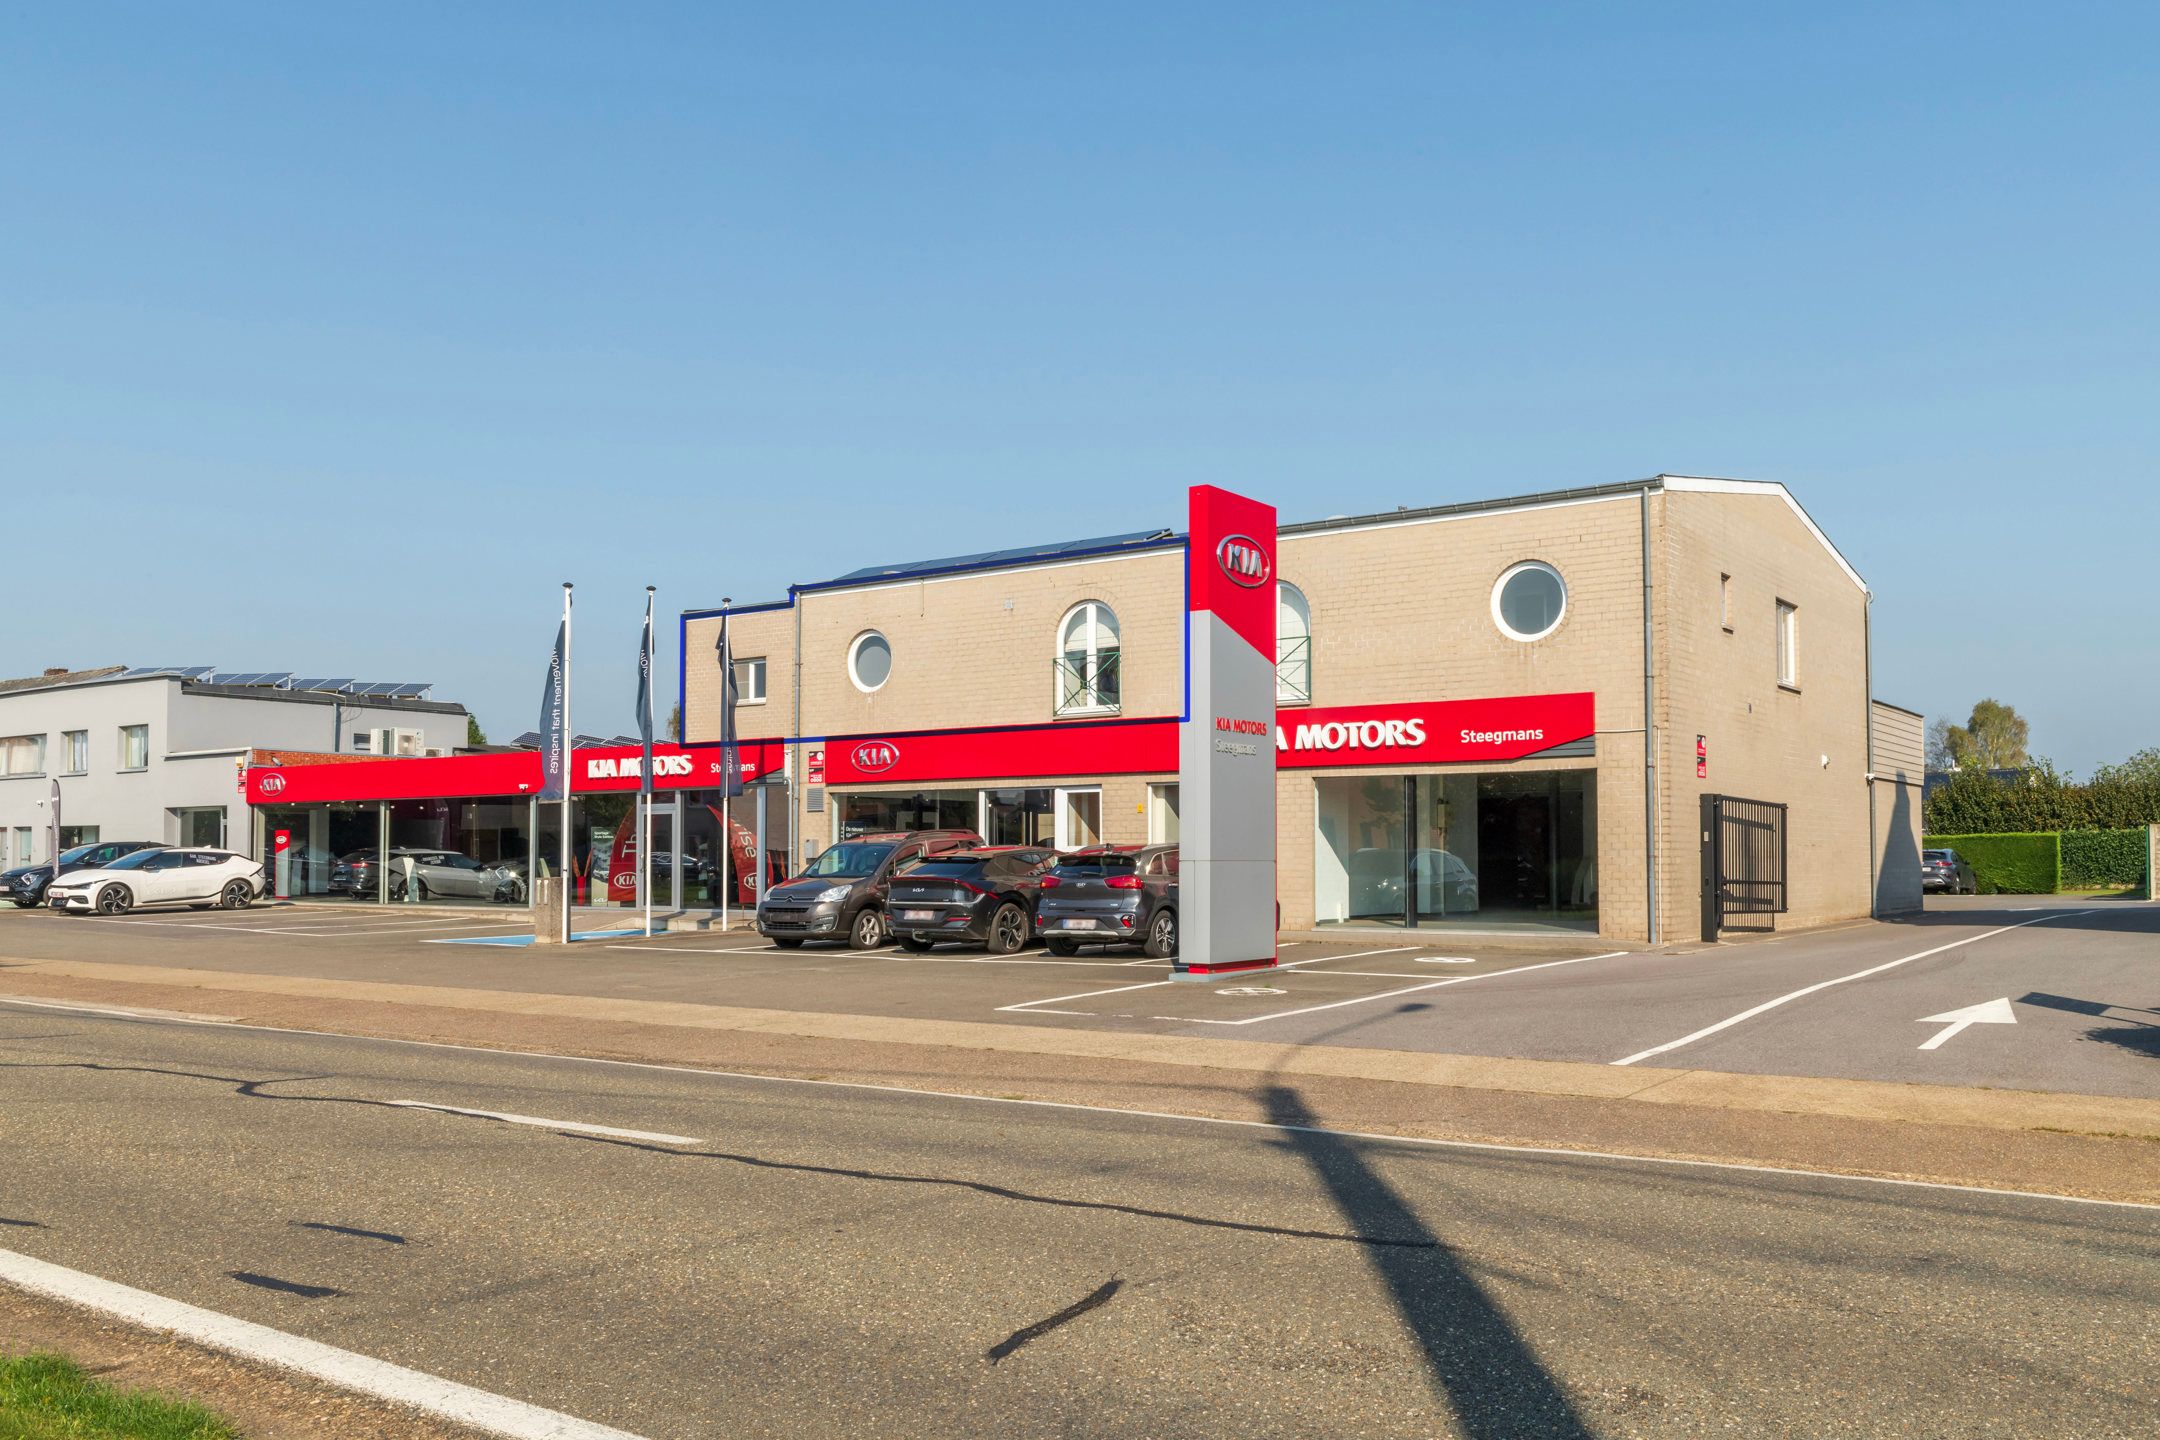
(200, 878)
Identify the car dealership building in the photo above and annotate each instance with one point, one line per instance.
(1496, 716)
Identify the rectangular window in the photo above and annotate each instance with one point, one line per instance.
(22, 755)
(134, 747)
(25, 844)
(78, 752)
(1788, 644)
(73, 835)
(750, 681)
(1724, 602)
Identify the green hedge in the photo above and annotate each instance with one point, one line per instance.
(2101, 859)
(2008, 864)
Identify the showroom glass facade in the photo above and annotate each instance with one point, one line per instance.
(486, 849)
(1475, 851)
(1020, 815)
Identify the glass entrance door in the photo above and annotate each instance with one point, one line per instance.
(1079, 818)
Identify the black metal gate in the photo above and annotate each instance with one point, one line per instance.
(1743, 860)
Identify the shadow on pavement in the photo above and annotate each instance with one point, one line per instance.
(1475, 1360)
(2139, 1037)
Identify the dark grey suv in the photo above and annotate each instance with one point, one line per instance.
(1111, 895)
(841, 894)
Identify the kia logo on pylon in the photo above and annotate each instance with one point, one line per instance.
(273, 784)
(877, 755)
(1243, 561)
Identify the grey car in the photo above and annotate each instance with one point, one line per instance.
(1947, 871)
(1111, 895)
(842, 894)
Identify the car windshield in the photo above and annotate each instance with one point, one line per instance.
(1934, 854)
(135, 861)
(69, 857)
(1084, 866)
(948, 869)
(849, 860)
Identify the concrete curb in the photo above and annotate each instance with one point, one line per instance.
(1702, 1089)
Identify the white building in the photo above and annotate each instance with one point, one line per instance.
(157, 753)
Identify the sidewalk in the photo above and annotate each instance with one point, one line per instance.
(2068, 1144)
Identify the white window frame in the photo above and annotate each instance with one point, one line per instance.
(1500, 585)
(1788, 644)
(855, 648)
(1287, 693)
(76, 747)
(755, 665)
(1089, 613)
(1061, 831)
(31, 745)
(128, 766)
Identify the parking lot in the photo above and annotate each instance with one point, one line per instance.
(2042, 994)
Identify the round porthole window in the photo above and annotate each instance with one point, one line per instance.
(1528, 600)
(869, 661)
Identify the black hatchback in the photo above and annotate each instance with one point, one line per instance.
(984, 897)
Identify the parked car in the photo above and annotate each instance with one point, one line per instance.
(199, 878)
(842, 893)
(436, 875)
(308, 869)
(1947, 870)
(25, 884)
(985, 896)
(1111, 895)
(1442, 882)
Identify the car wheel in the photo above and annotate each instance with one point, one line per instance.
(788, 942)
(397, 889)
(868, 931)
(237, 896)
(1008, 930)
(115, 900)
(423, 891)
(916, 944)
(1161, 943)
(1057, 945)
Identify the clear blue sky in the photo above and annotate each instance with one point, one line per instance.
(332, 338)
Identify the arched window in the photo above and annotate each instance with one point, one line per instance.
(1087, 660)
(1293, 646)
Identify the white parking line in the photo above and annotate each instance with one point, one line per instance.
(495, 1414)
(1028, 1006)
(1391, 994)
(541, 1122)
(1753, 1011)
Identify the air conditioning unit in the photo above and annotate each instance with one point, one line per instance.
(392, 741)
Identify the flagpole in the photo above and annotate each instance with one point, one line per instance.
(727, 776)
(645, 780)
(569, 889)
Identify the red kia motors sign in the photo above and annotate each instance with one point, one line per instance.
(510, 772)
(272, 784)
(874, 757)
(1433, 732)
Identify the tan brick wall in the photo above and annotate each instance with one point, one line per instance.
(1402, 612)
(1766, 742)
(978, 649)
(766, 633)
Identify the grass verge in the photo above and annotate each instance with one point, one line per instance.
(43, 1397)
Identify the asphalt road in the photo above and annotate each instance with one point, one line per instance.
(780, 1258)
(2077, 978)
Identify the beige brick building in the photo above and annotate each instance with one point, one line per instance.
(1032, 696)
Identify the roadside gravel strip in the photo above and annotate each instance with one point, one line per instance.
(491, 1414)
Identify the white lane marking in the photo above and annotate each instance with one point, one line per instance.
(1445, 960)
(1391, 994)
(543, 1123)
(1027, 1005)
(414, 929)
(496, 1414)
(713, 949)
(1422, 1141)
(119, 1012)
(1753, 1011)
(1988, 1012)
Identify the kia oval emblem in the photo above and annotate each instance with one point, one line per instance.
(273, 784)
(1242, 559)
(876, 755)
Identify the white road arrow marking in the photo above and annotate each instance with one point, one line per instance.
(1992, 1012)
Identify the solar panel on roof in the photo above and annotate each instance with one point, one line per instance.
(184, 672)
(323, 683)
